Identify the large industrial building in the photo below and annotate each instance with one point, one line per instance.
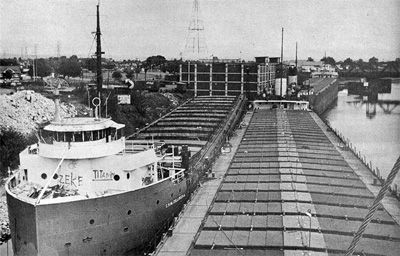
(230, 78)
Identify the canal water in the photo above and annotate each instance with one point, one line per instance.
(373, 127)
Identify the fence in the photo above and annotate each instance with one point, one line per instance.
(375, 171)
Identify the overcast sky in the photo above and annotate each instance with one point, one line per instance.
(232, 28)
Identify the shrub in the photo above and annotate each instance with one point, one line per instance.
(11, 144)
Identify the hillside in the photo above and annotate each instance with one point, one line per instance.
(26, 110)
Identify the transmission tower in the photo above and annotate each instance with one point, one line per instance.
(195, 43)
(58, 49)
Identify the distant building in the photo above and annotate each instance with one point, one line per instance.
(307, 66)
(14, 70)
(229, 78)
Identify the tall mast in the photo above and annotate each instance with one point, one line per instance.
(99, 75)
(281, 64)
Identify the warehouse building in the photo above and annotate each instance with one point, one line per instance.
(229, 79)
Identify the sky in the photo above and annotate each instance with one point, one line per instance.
(359, 29)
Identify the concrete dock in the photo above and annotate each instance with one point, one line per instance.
(288, 187)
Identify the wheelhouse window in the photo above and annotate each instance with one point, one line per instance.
(87, 136)
(120, 133)
(95, 135)
(46, 136)
(69, 136)
(78, 136)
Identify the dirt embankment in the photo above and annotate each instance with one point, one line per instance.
(25, 110)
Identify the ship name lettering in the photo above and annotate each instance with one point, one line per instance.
(71, 180)
(102, 175)
(174, 201)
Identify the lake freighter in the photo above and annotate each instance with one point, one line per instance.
(84, 190)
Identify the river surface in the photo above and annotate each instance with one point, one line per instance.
(376, 136)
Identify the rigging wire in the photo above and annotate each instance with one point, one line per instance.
(220, 228)
(106, 45)
(90, 50)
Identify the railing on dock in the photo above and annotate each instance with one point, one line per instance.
(368, 164)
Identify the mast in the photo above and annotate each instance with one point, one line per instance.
(99, 75)
(281, 65)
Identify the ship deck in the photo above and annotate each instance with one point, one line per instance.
(286, 165)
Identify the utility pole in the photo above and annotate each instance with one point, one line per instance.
(35, 65)
(296, 55)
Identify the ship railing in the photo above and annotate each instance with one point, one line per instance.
(171, 158)
(177, 177)
(33, 149)
(133, 147)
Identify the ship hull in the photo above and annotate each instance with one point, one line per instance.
(109, 225)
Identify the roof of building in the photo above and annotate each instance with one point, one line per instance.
(82, 124)
(301, 63)
(15, 69)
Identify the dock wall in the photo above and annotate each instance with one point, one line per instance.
(378, 179)
(202, 160)
(322, 99)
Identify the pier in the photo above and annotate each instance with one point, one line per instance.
(290, 188)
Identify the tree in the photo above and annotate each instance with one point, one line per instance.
(130, 73)
(373, 60)
(116, 75)
(329, 60)
(310, 59)
(42, 67)
(11, 144)
(74, 57)
(155, 61)
(69, 67)
(348, 61)
(89, 63)
(172, 66)
(9, 62)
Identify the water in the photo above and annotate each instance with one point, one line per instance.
(376, 136)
